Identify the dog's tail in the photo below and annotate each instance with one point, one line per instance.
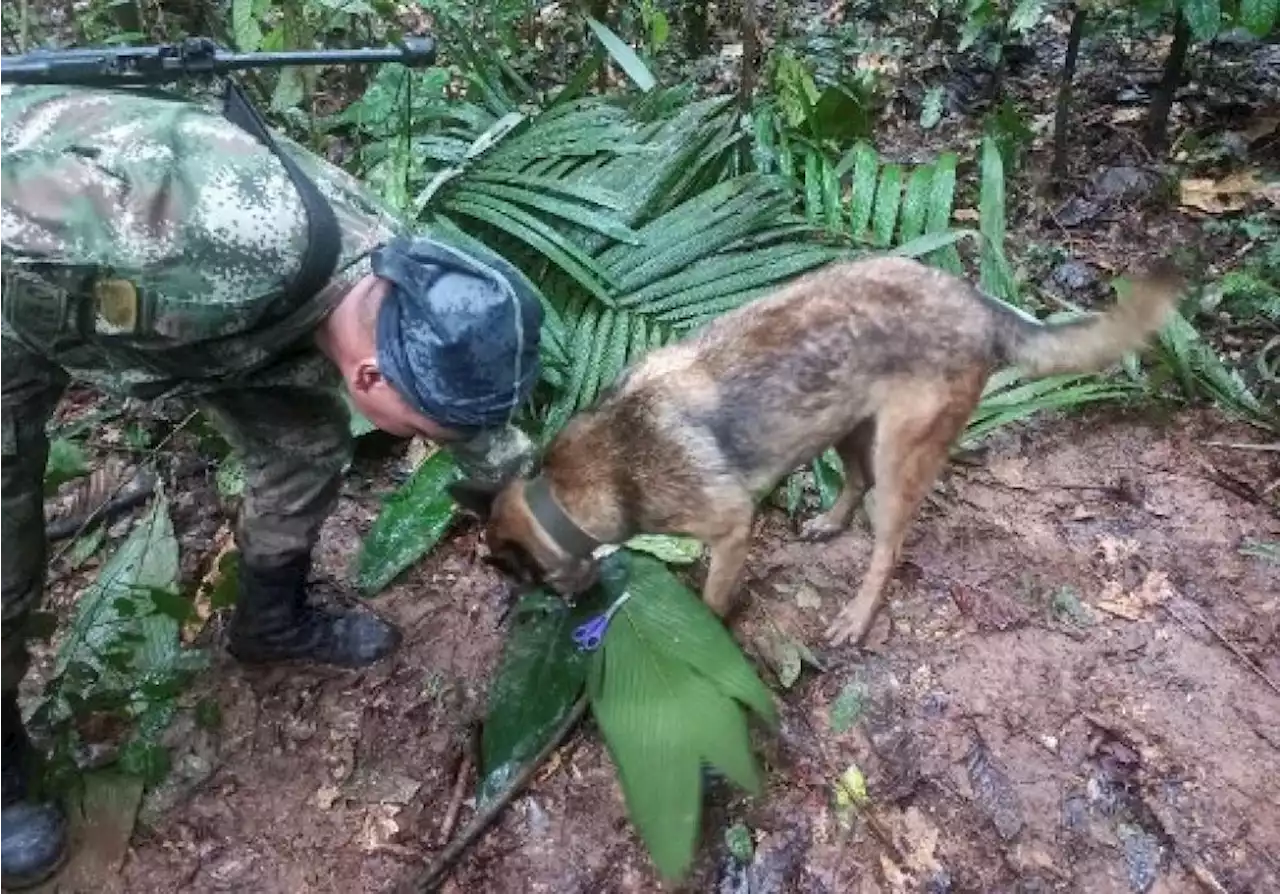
(1096, 342)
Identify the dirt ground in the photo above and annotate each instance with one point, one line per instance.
(1044, 707)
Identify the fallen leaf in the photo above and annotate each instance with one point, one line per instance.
(807, 596)
(1232, 193)
(1128, 115)
(1115, 550)
(1262, 126)
(1135, 605)
(325, 796)
(380, 827)
(921, 841)
(969, 214)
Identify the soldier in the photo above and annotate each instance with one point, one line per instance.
(153, 246)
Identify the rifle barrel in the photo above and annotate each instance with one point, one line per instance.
(155, 64)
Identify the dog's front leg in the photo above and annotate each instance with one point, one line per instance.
(728, 556)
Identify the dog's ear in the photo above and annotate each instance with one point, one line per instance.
(474, 497)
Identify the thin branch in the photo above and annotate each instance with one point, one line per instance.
(435, 875)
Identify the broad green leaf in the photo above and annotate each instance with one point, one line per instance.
(623, 55)
(888, 199)
(813, 198)
(683, 626)
(539, 235)
(230, 476)
(244, 26)
(536, 684)
(832, 211)
(412, 520)
(573, 212)
(941, 198)
(1203, 16)
(933, 106)
(848, 707)
(67, 461)
(1259, 16)
(86, 547)
(996, 277)
(866, 164)
(672, 550)
(916, 204)
(1026, 15)
(829, 477)
(639, 699)
(120, 636)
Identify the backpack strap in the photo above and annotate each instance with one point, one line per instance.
(324, 242)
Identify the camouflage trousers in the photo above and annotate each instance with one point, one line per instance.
(293, 439)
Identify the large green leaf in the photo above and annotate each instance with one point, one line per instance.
(996, 277)
(665, 688)
(536, 685)
(411, 522)
(1259, 16)
(66, 462)
(1203, 16)
(623, 55)
(888, 200)
(120, 599)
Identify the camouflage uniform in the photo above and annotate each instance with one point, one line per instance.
(147, 244)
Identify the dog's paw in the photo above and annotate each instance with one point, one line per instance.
(821, 528)
(850, 626)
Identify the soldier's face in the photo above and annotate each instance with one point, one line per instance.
(384, 407)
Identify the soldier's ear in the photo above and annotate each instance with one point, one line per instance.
(475, 497)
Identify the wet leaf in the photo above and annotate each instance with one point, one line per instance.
(86, 547)
(537, 682)
(848, 707)
(672, 550)
(1204, 17)
(931, 111)
(230, 476)
(623, 55)
(737, 838)
(67, 461)
(411, 522)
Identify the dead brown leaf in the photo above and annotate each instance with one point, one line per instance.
(1136, 604)
(1232, 193)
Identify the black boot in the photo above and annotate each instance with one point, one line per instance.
(34, 832)
(274, 622)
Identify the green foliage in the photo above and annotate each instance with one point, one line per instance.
(626, 57)
(1201, 373)
(534, 689)
(668, 688)
(121, 653)
(67, 461)
(411, 522)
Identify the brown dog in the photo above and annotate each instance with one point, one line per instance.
(884, 359)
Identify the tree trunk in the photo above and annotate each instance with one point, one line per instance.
(695, 28)
(750, 49)
(1058, 169)
(1162, 101)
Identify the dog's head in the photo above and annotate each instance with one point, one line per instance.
(519, 545)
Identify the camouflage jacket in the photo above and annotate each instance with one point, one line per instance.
(148, 242)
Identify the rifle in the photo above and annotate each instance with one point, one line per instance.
(193, 57)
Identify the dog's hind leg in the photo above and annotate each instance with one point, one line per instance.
(854, 450)
(912, 441)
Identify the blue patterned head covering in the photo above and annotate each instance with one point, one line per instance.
(457, 334)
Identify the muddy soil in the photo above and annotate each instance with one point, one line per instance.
(1043, 706)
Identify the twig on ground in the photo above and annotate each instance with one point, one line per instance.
(435, 875)
(1268, 448)
(124, 482)
(459, 790)
(1226, 641)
